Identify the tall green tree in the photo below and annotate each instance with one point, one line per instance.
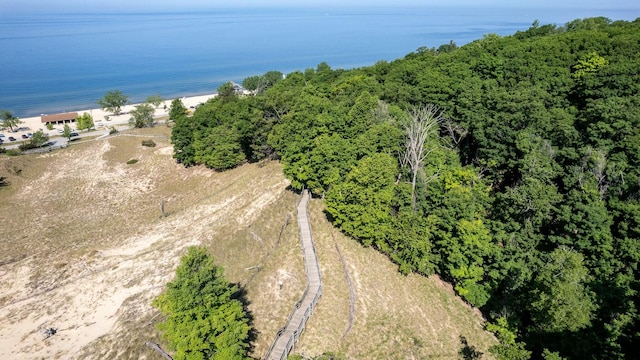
(226, 91)
(84, 121)
(260, 83)
(8, 120)
(218, 148)
(181, 133)
(113, 101)
(142, 116)
(154, 100)
(561, 300)
(66, 131)
(39, 138)
(177, 110)
(509, 348)
(204, 319)
(253, 83)
(361, 205)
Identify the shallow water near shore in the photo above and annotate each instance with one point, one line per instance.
(64, 62)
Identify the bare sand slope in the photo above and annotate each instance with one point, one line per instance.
(85, 249)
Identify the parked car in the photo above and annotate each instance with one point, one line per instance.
(60, 131)
(11, 138)
(24, 136)
(1, 135)
(74, 134)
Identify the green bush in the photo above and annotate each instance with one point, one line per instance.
(112, 130)
(149, 143)
(27, 146)
(204, 317)
(13, 152)
(132, 161)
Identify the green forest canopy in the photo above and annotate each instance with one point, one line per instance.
(527, 196)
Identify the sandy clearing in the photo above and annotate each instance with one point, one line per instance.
(89, 295)
(84, 307)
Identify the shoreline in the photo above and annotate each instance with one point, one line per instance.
(34, 123)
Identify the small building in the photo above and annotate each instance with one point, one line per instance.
(63, 118)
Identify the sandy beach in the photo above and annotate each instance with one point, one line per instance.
(33, 124)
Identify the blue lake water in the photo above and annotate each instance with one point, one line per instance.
(61, 62)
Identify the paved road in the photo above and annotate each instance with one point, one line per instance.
(60, 141)
(57, 140)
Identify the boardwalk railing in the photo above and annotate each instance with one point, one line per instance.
(290, 333)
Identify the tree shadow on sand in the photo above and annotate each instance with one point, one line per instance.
(468, 352)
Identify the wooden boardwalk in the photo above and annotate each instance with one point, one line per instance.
(290, 333)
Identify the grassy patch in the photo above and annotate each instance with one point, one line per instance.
(396, 316)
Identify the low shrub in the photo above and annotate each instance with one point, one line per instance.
(149, 143)
(27, 146)
(132, 161)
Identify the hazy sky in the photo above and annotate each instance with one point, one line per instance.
(8, 6)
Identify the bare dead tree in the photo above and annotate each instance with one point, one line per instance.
(381, 113)
(421, 123)
(596, 162)
(456, 132)
(159, 350)
(599, 167)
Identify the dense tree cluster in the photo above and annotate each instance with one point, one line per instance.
(525, 196)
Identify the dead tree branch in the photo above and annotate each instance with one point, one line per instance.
(157, 348)
(422, 122)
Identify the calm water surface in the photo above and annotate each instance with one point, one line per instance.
(60, 62)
